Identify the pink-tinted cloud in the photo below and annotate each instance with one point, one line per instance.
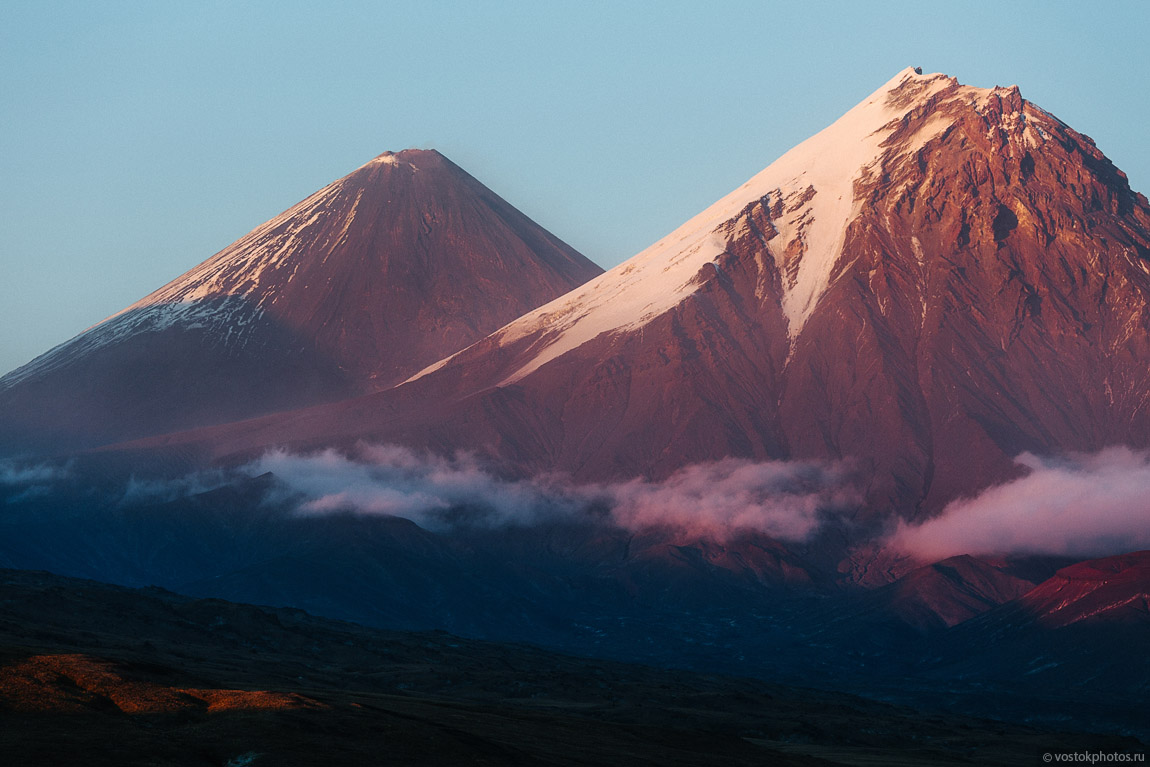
(1082, 505)
(785, 500)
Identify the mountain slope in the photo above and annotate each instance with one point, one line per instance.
(1110, 590)
(945, 277)
(283, 687)
(401, 262)
(1074, 642)
(944, 594)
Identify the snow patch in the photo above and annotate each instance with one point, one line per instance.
(224, 318)
(224, 293)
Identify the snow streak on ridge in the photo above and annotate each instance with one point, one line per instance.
(815, 183)
(231, 278)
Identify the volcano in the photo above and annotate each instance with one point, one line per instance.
(944, 278)
(401, 262)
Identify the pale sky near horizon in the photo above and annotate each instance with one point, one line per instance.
(137, 139)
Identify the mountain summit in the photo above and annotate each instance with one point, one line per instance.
(944, 278)
(399, 263)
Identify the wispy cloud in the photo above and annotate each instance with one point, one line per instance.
(16, 473)
(431, 491)
(149, 490)
(1083, 505)
(786, 500)
(1088, 505)
(21, 481)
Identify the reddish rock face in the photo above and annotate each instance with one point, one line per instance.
(1110, 590)
(994, 301)
(403, 261)
(944, 278)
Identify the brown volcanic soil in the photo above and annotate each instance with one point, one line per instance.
(98, 675)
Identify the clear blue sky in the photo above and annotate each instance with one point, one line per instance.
(136, 139)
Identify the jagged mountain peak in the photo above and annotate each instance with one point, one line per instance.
(808, 198)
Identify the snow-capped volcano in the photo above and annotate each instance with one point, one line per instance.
(404, 260)
(807, 199)
(944, 278)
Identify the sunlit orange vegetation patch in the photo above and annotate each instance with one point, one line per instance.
(80, 683)
(232, 700)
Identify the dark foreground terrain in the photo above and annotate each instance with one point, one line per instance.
(103, 675)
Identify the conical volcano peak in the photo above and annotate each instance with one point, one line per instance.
(427, 155)
(412, 158)
(387, 158)
(404, 260)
